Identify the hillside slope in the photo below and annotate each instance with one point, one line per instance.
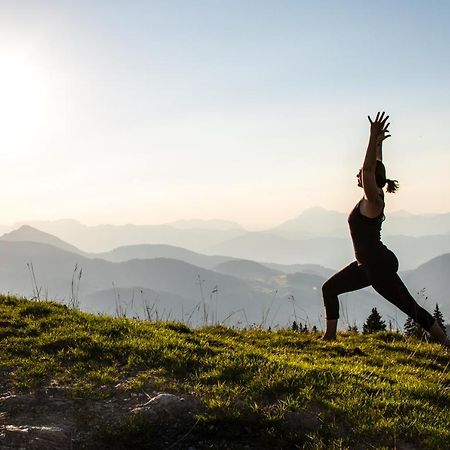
(80, 381)
(149, 251)
(29, 234)
(181, 290)
(433, 277)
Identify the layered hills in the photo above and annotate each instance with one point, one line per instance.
(317, 236)
(185, 285)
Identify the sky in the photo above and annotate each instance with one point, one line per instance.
(252, 111)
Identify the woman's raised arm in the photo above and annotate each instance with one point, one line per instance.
(378, 132)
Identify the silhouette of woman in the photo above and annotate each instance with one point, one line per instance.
(375, 264)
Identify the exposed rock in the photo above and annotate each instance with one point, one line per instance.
(49, 419)
(307, 420)
(34, 437)
(168, 404)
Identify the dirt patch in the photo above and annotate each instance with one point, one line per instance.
(49, 418)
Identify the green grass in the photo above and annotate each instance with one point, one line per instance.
(255, 385)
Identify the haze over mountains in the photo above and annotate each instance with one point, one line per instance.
(103, 238)
(319, 222)
(168, 281)
(317, 236)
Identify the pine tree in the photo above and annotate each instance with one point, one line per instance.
(374, 323)
(439, 317)
(412, 328)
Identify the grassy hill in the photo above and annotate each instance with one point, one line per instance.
(82, 375)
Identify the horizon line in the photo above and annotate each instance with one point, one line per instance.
(18, 223)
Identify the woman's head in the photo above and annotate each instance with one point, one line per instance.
(381, 180)
(380, 174)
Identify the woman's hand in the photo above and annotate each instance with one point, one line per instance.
(381, 137)
(379, 127)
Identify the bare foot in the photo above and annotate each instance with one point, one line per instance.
(327, 337)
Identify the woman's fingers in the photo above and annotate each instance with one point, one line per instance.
(380, 126)
(379, 117)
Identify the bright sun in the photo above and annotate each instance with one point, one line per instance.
(22, 101)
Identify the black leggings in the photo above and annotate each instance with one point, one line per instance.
(384, 279)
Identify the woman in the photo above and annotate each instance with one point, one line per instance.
(375, 265)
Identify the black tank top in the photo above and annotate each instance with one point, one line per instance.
(366, 234)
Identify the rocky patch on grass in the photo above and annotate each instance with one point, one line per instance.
(50, 418)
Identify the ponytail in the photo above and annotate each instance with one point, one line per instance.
(392, 186)
(382, 181)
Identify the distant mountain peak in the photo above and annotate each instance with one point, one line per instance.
(27, 233)
(66, 222)
(24, 231)
(314, 209)
(26, 228)
(314, 221)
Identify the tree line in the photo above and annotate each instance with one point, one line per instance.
(375, 322)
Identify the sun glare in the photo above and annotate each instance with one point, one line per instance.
(23, 106)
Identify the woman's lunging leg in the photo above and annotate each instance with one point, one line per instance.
(350, 278)
(392, 288)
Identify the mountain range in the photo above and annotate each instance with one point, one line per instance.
(166, 281)
(317, 236)
(319, 222)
